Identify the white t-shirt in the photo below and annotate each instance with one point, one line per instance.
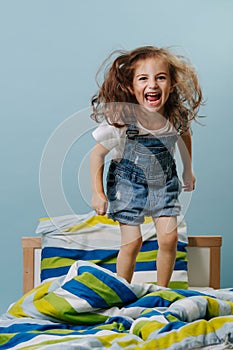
(113, 138)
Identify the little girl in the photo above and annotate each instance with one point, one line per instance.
(146, 103)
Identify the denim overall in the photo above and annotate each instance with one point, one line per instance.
(144, 182)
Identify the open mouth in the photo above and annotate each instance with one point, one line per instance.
(152, 97)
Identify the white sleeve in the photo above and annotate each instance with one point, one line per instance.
(107, 135)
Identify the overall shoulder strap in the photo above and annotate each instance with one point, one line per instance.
(132, 130)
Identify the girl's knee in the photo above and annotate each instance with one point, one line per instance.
(132, 247)
(168, 241)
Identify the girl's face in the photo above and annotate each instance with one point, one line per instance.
(152, 83)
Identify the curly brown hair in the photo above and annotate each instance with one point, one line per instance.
(115, 94)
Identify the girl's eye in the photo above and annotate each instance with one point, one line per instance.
(161, 77)
(142, 78)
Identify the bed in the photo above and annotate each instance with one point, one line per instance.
(73, 303)
(203, 254)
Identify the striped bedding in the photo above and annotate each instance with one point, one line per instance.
(91, 308)
(94, 238)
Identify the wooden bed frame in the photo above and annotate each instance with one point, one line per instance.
(203, 257)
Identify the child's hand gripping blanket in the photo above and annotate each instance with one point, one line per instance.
(92, 308)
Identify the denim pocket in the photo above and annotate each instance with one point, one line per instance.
(120, 193)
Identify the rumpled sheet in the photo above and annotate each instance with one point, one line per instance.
(92, 308)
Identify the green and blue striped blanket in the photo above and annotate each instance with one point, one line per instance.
(91, 308)
(89, 237)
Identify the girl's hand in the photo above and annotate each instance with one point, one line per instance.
(99, 203)
(189, 181)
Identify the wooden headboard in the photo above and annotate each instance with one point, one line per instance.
(204, 254)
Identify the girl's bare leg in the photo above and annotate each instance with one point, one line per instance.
(166, 228)
(131, 242)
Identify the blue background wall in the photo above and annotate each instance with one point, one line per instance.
(50, 52)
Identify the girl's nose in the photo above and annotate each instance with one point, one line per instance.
(153, 83)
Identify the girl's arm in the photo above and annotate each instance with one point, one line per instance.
(99, 200)
(185, 148)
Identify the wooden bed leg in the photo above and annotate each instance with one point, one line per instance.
(28, 269)
(215, 267)
(29, 245)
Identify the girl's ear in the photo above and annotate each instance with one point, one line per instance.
(131, 90)
(171, 89)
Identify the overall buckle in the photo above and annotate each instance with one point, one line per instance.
(132, 131)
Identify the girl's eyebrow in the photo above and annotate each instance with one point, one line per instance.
(145, 74)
